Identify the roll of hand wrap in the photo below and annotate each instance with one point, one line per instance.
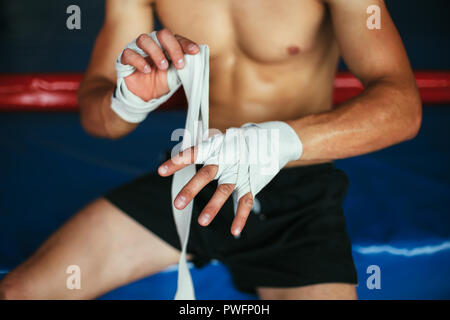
(195, 80)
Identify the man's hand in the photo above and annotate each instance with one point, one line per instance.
(204, 176)
(243, 160)
(145, 80)
(149, 81)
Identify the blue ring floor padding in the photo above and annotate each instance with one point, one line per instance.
(397, 206)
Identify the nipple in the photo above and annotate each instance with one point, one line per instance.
(293, 50)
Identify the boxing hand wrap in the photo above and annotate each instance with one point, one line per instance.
(125, 103)
(252, 155)
(195, 80)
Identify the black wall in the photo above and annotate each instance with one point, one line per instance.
(34, 37)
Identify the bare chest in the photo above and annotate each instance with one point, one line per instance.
(263, 30)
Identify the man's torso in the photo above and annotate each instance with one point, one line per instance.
(270, 60)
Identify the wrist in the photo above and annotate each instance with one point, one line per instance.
(315, 133)
(283, 138)
(113, 125)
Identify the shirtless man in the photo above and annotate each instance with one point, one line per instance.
(270, 60)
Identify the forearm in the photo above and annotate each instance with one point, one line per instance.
(97, 117)
(124, 20)
(386, 113)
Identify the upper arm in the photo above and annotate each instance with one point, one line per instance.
(124, 21)
(370, 55)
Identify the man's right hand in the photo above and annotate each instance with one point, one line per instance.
(149, 81)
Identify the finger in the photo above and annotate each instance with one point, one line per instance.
(223, 192)
(177, 162)
(153, 50)
(172, 47)
(134, 59)
(189, 47)
(204, 176)
(244, 207)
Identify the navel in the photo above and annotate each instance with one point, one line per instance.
(293, 50)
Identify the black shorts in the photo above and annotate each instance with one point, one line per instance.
(295, 235)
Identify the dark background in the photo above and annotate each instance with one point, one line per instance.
(34, 37)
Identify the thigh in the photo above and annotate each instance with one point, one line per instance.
(110, 248)
(323, 291)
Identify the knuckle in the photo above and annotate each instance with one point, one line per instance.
(164, 32)
(248, 201)
(128, 56)
(141, 39)
(127, 53)
(212, 169)
(226, 189)
(207, 172)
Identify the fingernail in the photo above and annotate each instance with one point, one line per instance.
(180, 201)
(164, 64)
(163, 169)
(180, 63)
(204, 219)
(147, 69)
(236, 231)
(192, 47)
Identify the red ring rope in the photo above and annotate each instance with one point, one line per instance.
(57, 92)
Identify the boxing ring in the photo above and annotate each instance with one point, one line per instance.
(397, 207)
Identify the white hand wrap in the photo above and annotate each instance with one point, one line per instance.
(126, 104)
(252, 155)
